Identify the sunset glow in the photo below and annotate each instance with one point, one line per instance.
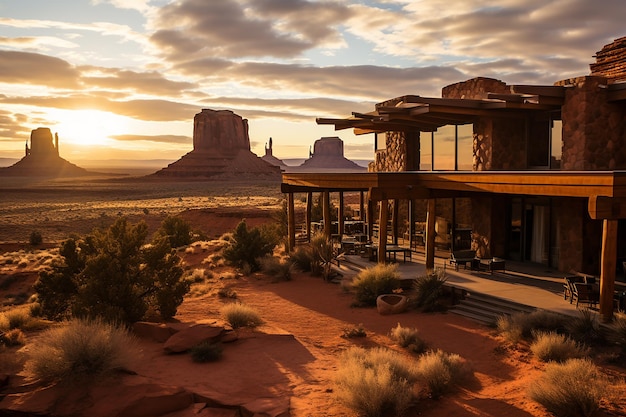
(122, 79)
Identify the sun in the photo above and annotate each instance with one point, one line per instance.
(87, 127)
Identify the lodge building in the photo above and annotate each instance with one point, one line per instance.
(532, 173)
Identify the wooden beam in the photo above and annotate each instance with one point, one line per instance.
(340, 226)
(430, 234)
(607, 269)
(601, 207)
(382, 231)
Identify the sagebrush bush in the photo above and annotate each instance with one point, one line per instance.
(570, 389)
(302, 258)
(375, 382)
(177, 230)
(428, 289)
(206, 352)
(322, 253)
(15, 318)
(352, 332)
(550, 346)
(520, 326)
(440, 371)
(81, 351)
(408, 338)
(280, 270)
(240, 315)
(372, 282)
(13, 337)
(35, 238)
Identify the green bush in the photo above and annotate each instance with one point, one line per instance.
(206, 352)
(372, 282)
(428, 289)
(302, 258)
(375, 382)
(439, 371)
(408, 338)
(247, 246)
(240, 315)
(113, 274)
(177, 231)
(570, 389)
(550, 346)
(520, 326)
(82, 351)
(322, 253)
(35, 238)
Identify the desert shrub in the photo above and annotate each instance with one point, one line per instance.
(617, 331)
(520, 326)
(428, 289)
(226, 292)
(322, 255)
(240, 315)
(81, 351)
(279, 270)
(570, 389)
(13, 337)
(439, 371)
(177, 231)
(375, 382)
(585, 328)
(372, 282)
(302, 258)
(35, 238)
(247, 246)
(115, 275)
(352, 332)
(408, 338)
(550, 346)
(16, 318)
(198, 275)
(206, 352)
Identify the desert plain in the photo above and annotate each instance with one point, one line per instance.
(292, 358)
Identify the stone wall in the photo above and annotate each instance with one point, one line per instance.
(594, 132)
(401, 153)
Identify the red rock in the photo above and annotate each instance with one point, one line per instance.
(194, 335)
(153, 331)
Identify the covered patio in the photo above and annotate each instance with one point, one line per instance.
(604, 192)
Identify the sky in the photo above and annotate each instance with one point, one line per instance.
(123, 79)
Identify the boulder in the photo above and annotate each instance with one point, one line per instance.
(193, 336)
(157, 332)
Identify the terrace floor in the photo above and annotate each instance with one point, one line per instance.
(525, 283)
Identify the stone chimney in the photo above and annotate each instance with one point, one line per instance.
(611, 61)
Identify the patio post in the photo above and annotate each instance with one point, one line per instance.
(370, 218)
(291, 223)
(430, 234)
(607, 269)
(411, 218)
(328, 226)
(382, 231)
(361, 206)
(394, 221)
(307, 220)
(340, 223)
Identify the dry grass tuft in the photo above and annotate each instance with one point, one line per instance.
(550, 346)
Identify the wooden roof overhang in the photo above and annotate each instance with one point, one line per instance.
(605, 190)
(427, 114)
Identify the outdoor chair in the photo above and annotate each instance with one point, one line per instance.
(584, 293)
(568, 289)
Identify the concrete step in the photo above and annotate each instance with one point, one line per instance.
(487, 309)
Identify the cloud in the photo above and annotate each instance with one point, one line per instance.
(176, 139)
(150, 82)
(31, 68)
(254, 28)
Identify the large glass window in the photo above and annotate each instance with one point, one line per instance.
(450, 148)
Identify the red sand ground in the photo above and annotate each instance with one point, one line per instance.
(316, 314)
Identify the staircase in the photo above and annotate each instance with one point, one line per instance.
(486, 308)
